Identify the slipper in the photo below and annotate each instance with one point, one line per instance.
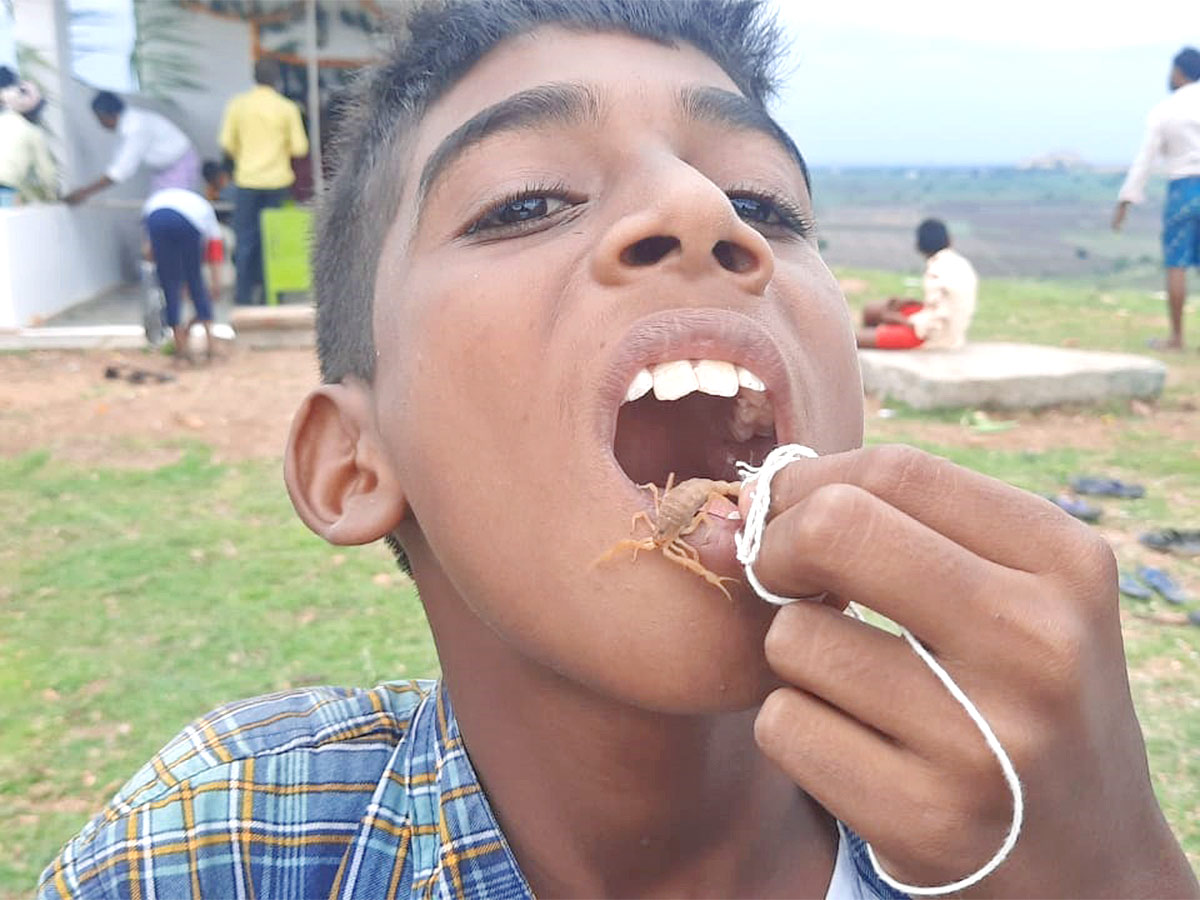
(1131, 587)
(1080, 509)
(1105, 487)
(1172, 540)
(1164, 584)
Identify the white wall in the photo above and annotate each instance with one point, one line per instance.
(52, 257)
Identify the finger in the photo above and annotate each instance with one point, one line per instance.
(870, 675)
(841, 538)
(940, 826)
(991, 518)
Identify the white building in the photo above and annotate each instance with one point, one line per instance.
(192, 56)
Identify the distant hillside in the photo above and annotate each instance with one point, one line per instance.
(1042, 223)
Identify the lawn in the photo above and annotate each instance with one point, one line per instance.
(135, 598)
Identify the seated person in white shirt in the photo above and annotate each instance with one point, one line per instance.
(939, 320)
(147, 139)
(183, 231)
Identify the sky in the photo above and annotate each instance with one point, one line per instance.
(922, 82)
(934, 82)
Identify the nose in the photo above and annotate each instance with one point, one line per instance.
(688, 228)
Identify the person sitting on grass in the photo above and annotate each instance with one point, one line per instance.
(939, 320)
(182, 229)
(567, 251)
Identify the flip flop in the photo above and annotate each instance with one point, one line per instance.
(1164, 584)
(1131, 587)
(1106, 487)
(1172, 540)
(1080, 509)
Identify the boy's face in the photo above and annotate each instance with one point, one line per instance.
(589, 235)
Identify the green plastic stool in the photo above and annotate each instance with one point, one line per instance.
(285, 242)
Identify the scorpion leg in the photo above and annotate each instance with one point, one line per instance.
(628, 543)
(676, 553)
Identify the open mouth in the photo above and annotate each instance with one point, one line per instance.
(694, 418)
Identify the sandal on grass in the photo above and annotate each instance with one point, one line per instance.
(1080, 509)
(1106, 487)
(1172, 540)
(1164, 584)
(1131, 587)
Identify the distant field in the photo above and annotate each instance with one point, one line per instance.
(1012, 222)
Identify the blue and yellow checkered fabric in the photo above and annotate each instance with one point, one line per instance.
(322, 792)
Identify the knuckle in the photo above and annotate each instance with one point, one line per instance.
(893, 469)
(773, 722)
(830, 516)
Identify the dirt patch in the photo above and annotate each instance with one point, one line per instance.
(61, 401)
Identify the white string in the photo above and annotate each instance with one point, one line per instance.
(749, 543)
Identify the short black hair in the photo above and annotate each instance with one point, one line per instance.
(932, 236)
(432, 50)
(7, 77)
(267, 71)
(106, 103)
(211, 170)
(1187, 61)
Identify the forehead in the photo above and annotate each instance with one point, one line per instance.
(615, 63)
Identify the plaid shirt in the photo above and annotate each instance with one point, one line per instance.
(320, 792)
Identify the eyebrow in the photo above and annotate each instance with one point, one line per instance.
(559, 103)
(569, 103)
(709, 104)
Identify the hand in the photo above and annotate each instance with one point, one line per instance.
(1118, 217)
(1018, 602)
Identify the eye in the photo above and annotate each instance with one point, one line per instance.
(771, 212)
(528, 205)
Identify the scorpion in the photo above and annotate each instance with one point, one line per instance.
(678, 511)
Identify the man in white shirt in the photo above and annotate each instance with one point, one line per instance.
(1173, 138)
(147, 139)
(940, 319)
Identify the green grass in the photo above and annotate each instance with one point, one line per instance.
(134, 601)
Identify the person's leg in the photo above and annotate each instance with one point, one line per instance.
(1176, 295)
(190, 255)
(1181, 248)
(164, 228)
(248, 252)
(872, 313)
(888, 337)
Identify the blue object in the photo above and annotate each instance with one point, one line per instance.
(1164, 584)
(1080, 509)
(1131, 587)
(1106, 487)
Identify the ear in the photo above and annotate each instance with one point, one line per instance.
(338, 476)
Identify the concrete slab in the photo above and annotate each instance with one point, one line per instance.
(266, 327)
(1008, 376)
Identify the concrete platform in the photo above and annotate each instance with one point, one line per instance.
(264, 327)
(1008, 376)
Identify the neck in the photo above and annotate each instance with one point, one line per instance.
(597, 798)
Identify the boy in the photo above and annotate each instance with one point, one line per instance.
(942, 318)
(183, 233)
(543, 205)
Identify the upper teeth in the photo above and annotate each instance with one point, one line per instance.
(680, 377)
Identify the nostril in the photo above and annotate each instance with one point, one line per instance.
(734, 257)
(648, 251)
